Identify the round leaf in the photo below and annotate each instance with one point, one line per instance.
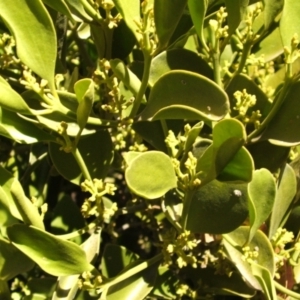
(186, 95)
(151, 175)
(217, 207)
(55, 256)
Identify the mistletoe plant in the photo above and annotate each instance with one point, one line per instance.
(149, 149)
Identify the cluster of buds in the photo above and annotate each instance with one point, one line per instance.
(95, 205)
(182, 247)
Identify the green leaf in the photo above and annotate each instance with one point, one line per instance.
(236, 10)
(262, 193)
(130, 80)
(12, 261)
(115, 258)
(26, 208)
(268, 156)
(55, 256)
(178, 59)
(11, 100)
(219, 284)
(16, 128)
(61, 6)
(4, 290)
(167, 14)
(234, 243)
(153, 133)
(217, 208)
(289, 22)
(98, 145)
(265, 279)
(270, 47)
(130, 11)
(271, 9)
(186, 95)
(279, 130)
(165, 284)
(68, 285)
(84, 90)
(192, 136)
(197, 10)
(241, 82)
(77, 9)
(285, 194)
(36, 42)
(226, 157)
(151, 175)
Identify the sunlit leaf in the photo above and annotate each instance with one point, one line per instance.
(84, 90)
(289, 22)
(61, 6)
(39, 54)
(12, 261)
(130, 11)
(271, 9)
(285, 194)
(236, 10)
(178, 59)
(185, 95)
(151, 175)
(234, 243)
(262, 193)
(55, 256)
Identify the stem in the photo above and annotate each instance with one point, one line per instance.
(275, 108)
(140, 267)
(90, 10)
(81, 164)
(78, 232)
(245, 54)
(216, 63)
(186, 207)
(144, 83)
(286, 290)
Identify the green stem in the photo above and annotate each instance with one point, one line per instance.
(286, 291)
(186, 207)
(217, 71)
(144, 83)
(91, 11)
(79, 232)
(275, 108)
(81, 164)
(245, 55)
(140, 267)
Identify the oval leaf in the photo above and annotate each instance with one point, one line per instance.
(36, 42)
(262, 193)
(98, 145)
(130, 11)
(12, 261)
(186, 95)
(55, 256)
(217, 207)
(178, 59)
(279, 130)
(234, 243)
(289, 22)
(167, 14)
(84, 90)
(285, 194)
(11, 100)
(151, 175)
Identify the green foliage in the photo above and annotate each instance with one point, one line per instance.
(149, 149)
